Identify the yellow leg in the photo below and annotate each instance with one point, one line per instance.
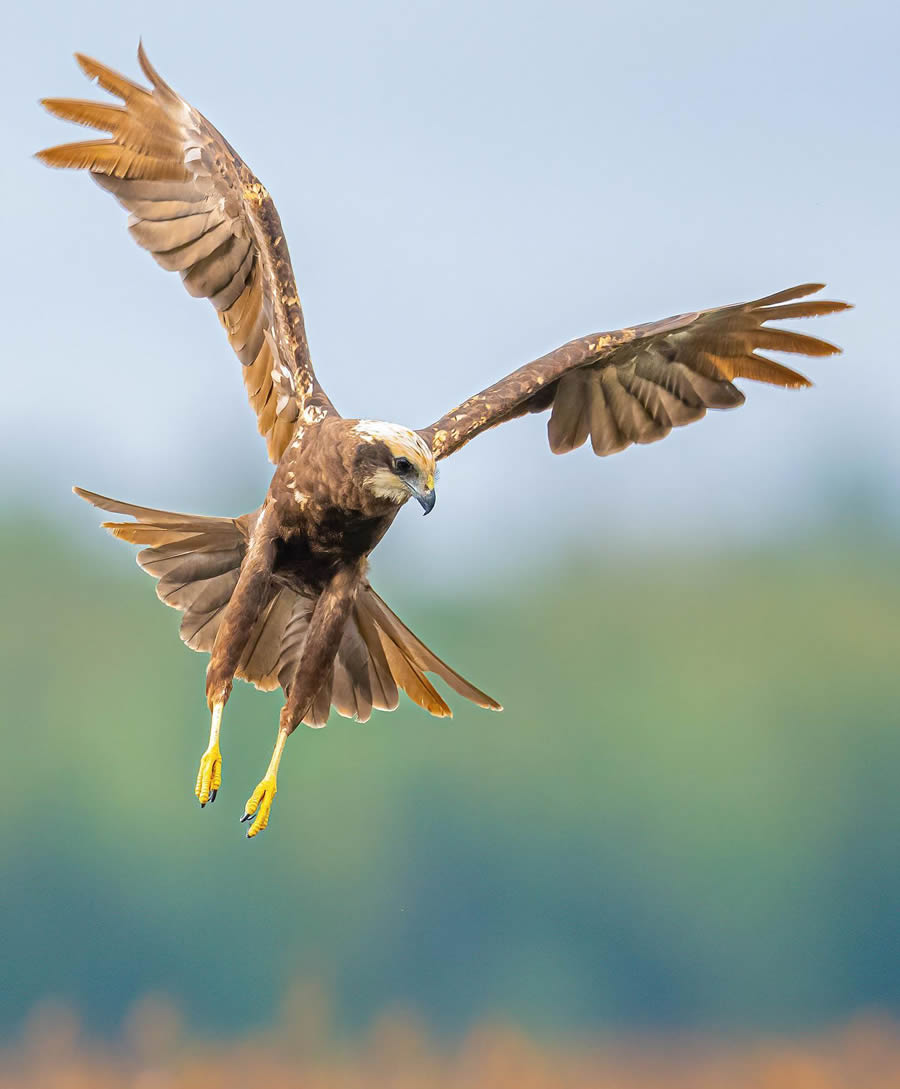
(260, 801)
(209, 777)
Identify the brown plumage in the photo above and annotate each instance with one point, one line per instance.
(280, 597)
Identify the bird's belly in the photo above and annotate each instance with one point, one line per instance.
(301, 566)
(307, 557)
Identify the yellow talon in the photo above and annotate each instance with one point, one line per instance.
(209, 777)
(260, 803)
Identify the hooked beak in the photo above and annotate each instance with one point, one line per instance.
(426, 499)
(423, 490)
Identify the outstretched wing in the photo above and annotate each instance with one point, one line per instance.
(198, 208)
(636, 384)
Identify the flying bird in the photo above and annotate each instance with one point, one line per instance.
(281, 596)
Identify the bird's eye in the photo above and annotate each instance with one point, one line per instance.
(402, 466)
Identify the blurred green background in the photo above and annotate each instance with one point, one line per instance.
(687, 815)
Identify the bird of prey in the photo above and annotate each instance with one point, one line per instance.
(281, 596)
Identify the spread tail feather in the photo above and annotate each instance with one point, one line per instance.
(196, 560)
(418, 655)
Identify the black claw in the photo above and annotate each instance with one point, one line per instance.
(246, 817)
(212, 796)
(203, 805)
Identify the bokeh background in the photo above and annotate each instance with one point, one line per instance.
(681, 838)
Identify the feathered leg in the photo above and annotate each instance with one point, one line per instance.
(326, 627)
(249, 597)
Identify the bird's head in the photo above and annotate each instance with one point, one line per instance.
(395, 463)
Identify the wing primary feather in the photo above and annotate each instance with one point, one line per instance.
(761, 369)
(812, 308)
(111, 81)
(786, 340)
(110, 157)
(785, 296)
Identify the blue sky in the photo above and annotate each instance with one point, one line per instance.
(465, 186)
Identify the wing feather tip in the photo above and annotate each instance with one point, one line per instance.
(144, 61)
(156, 80)
(84, 62)
(44, 156)
(91, 68)
(807, 289)
(837, 305)
(87, 496)
(122, 531)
